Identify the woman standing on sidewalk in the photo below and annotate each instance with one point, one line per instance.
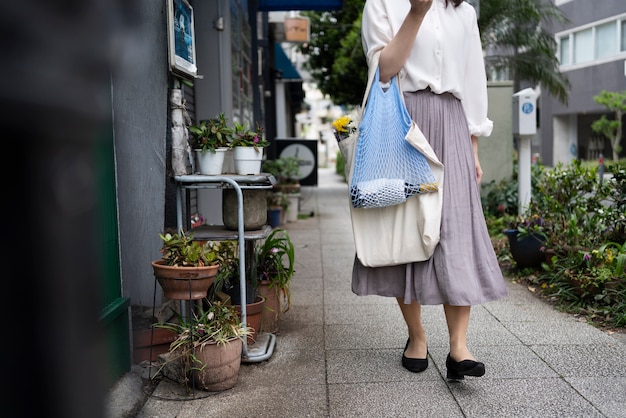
(434, 46)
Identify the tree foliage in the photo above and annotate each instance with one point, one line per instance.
(512, 30)
(336, 58)
(612, 129)
(515, 37)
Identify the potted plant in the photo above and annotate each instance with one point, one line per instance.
(277, 204)
(247, 148)
(227, 287)
(526, 240)
(210, 140)
(286, 170)
(274, 266)
(187, 268)
(208, 347)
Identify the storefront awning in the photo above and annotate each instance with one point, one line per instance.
(284, 65)
(286, 5)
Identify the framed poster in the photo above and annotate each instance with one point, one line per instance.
(181, 38)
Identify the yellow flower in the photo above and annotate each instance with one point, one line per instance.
(341, 124)
(343, 127)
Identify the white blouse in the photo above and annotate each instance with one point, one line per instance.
(446, 56)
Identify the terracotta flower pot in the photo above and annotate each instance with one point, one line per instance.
(184, 283)
(254, 311)
(148, 344)
(272, 309)
(220, 364)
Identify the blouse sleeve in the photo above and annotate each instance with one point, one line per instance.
(376, 29)
(475, 85)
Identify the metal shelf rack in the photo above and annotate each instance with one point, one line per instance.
(263, 348)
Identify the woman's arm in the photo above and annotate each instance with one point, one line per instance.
(394, 55)
(479, 170)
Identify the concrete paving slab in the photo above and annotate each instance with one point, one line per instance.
(370, 313)
(271, 400)
(266, 400)
(566, 332)
(337, 279)
(305, 267)
(344, 297)
(418, 398)
(306, 298)
(529, 398)
(372, 366)
(527, 310)
(310, 337)
(349, 337)
(598, 360)
(300, 316)
(608, 395)
(286, 367)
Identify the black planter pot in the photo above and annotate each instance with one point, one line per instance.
(526, 250)
(235, 294)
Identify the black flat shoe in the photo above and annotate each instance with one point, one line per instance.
(457, 370)
(414, 365)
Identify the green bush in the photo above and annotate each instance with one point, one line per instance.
(584, 222)
(501, 198)
(579, 211)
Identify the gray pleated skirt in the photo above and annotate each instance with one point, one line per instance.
(463, 270)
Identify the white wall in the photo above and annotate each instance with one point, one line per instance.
(565, 139)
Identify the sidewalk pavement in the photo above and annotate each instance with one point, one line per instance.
(338, 354)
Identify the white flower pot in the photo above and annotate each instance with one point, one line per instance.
(210, 163)
(247, 160)
(229, 162)
(292, 210)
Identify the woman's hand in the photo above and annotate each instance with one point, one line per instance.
(479, 169)
(420, 6)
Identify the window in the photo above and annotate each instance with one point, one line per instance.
(583, 46)
(564, 55)
(606, 40)
(593, 43)
(241, 64)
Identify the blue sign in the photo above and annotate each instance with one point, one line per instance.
(527, 107)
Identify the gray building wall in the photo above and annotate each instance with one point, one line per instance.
(140, 100)
(564, 125)
(214, 91)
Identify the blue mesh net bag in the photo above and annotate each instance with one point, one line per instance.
(387, 169)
